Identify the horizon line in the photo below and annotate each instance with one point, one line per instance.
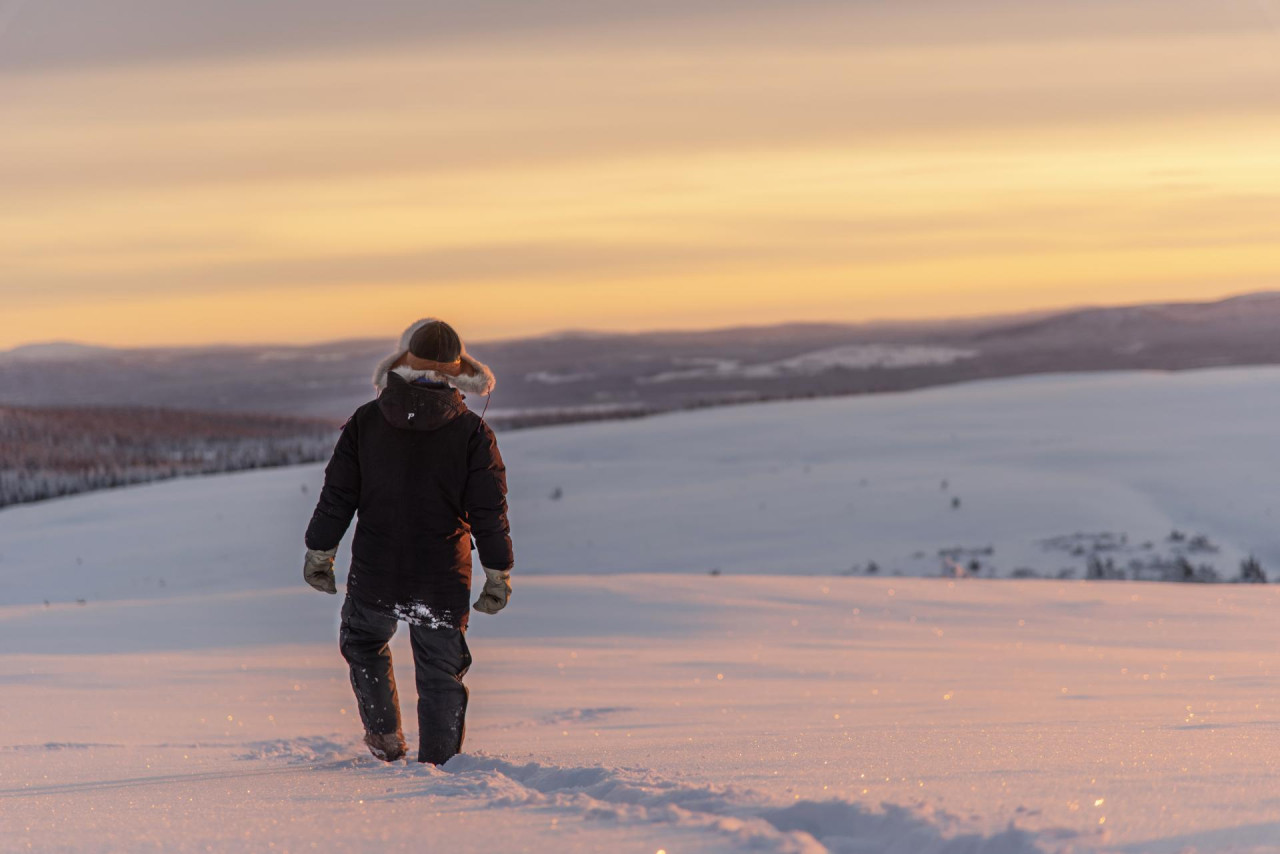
(636, 333)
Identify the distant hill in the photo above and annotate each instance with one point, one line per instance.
(579, 375)
(53, 351)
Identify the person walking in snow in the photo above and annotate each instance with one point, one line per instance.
(426, 478)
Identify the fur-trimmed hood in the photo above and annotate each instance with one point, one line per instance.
(481, 382)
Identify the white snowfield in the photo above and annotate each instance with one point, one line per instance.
(628, 700)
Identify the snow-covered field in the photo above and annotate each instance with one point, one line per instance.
(628, 700)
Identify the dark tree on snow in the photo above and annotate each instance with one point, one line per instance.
(1251, 571)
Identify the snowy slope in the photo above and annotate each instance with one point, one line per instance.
(646, 713)
(822, 486)
(196, 700)
(806, 487)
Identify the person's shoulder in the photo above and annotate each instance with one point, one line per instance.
(467, 420)
(477, 429)
(363, 411)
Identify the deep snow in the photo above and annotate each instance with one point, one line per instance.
(196, 699)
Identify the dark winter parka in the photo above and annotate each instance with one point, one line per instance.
(425, 475)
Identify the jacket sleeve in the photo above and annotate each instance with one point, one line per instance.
(485, 500)
(340, 496)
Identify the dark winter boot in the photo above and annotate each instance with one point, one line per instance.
(388, 747)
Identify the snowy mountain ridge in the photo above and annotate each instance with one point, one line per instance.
(667, 371)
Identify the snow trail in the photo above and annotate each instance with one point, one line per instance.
(744, 818)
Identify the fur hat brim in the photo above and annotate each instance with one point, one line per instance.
(481, 380)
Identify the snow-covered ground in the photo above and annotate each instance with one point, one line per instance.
(628, 700)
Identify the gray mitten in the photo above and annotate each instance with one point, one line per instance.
(317, 569)
(497, 590)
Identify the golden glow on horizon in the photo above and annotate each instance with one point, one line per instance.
(543, 185)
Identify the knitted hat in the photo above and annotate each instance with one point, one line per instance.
(437, 341)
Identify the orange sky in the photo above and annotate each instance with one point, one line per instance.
(193, 181)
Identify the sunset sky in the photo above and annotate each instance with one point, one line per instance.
(185, 171)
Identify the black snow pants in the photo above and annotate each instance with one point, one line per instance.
(440, 660)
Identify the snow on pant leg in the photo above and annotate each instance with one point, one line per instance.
(363, 637)
(440, 659)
